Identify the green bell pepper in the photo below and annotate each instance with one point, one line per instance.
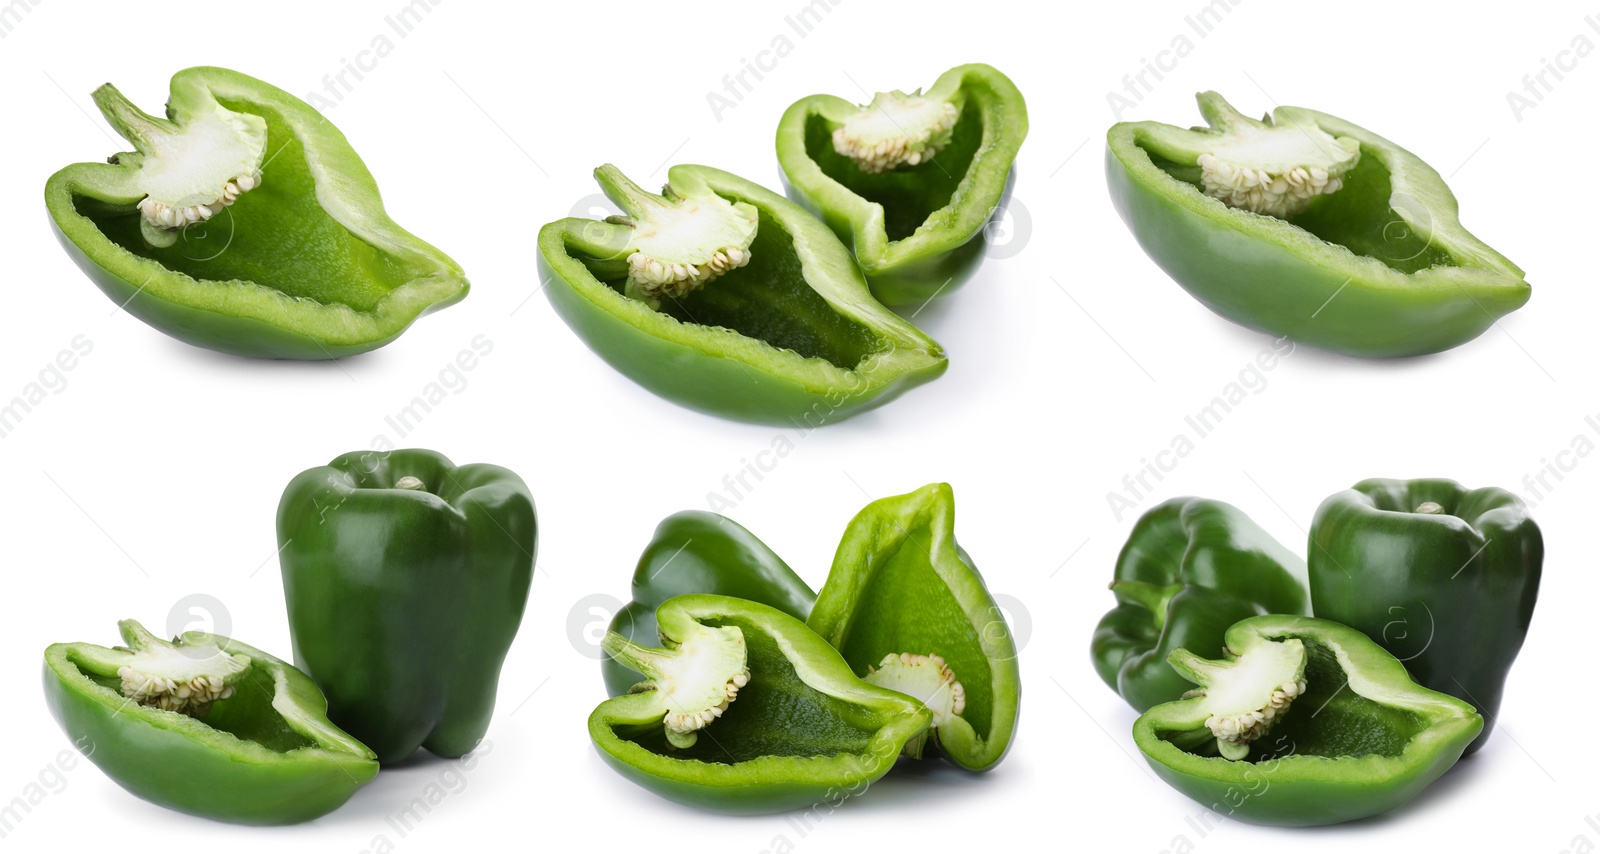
(205, 725)
(1307, 226)
(1443, 577)
(909, 182)
(905, 605)
(786, 722)
(695, 551)
(304, 264)
(1190, 569)
(405, 578)
(1307, 722)
(728, 298)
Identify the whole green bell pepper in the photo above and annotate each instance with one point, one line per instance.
(205, 725)
(909, 182)
(245, 223)
(1307, 722)
(1443, 577)
(905, 605)
(1307, 226)
(1191, 568)
(695, 551)
(787, 724)
(405, 578)
(728, 298)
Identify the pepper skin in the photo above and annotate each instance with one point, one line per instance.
(799, 730)
(1191, 568)
(695, 551)
(1380, 267)
(918, 230)
(901, 586)
(1443, 577)
(405, 578)
(267, 754)
(1360, 739)
(793, 336)
(307, 265)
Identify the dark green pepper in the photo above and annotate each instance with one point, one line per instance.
(908, 181)
(245, 223)
(905, 605)
(1190, 569)
(205, 725)
(1307, 722)
(695, 551)
(728, 298)
(786, 723)
(1306, 226)
(1443, 577)
(405, 578)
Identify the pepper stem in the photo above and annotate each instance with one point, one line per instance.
(1221, 115)
(1430, 508)
(135, 125)
(1153, 598)
(409, 482)
(620, 189)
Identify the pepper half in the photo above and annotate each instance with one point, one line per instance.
(245, 223)
(405, 578)
(205, 725)
(1191, 568)
(1443, 577)
(695, 551)
(908, 181)
(726, 297)
(786, 722)
(905, 605)
(1307, 226)
(1307, 722)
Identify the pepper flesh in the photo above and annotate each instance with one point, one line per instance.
(1361, 739)
(1381, 267)
(1444, 577)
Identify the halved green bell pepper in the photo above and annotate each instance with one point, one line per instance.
(695, 551)
(1443, 577)
(747, 711)
(1307, 226)
(1307, 722)
(905, 605)
(1191, 568)
(909, 182)
(726, 297)
(405, 578)
(244, 222)
(205, 725)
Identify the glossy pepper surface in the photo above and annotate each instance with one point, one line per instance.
(905, 605)
(909, 182)
(695, 551)
(1191, 568)
(1307, 226)
(728, 298)
(1306, 722)
(244, 222)
(1443, 577)
(405, 578)
(746, 710)
(205, 725)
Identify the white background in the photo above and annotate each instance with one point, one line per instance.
(152, 477)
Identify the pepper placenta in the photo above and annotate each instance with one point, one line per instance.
(1191, 568)
(728, 298)
(1443, 577)
(1307, 226)
(1306, 722)
(245, 223)
(405, 578)
(909, 182)
(905, 605)
(695, 551)
(747, 710)
(206, 725)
